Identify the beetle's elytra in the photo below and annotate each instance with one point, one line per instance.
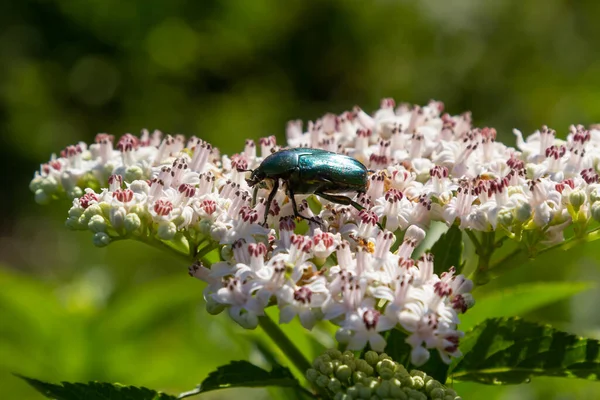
(306, 171)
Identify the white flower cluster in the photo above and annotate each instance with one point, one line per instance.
(369, 290)
(427, 166)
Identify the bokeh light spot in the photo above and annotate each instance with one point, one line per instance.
(173, 44)
(94, 80)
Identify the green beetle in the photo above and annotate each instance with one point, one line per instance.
(306, 171)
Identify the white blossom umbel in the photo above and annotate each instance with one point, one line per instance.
(425, 166)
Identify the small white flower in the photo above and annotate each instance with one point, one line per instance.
(366, 325)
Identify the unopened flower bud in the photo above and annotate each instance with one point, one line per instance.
(92, 210)
(334, 385)
(363, 366)
(97, 224)
(431, 384)
(505, 218)
(372, 357)
(343, 373)
(333, 353)
(383, 390)
(523, 212)
(49, 185)
(101, 239)
(166, 230)
(595, 195)
(322, 381)
(41, 197)
(75, 192)
(133, 173)
(386, 373)
(358, 376)
(417, 382)
(204, 226)
(326, 368)
(577, 198)
(336, 364)
(386, 364)
(352, 391)
(117, 217)
(132, 222)
(36, 183)
(76, 223)
(595, 211)
(226, 252)
(312, 375)
(365, 392)
(217, 232)
(139, 186)
(396, 391)
(325, 357)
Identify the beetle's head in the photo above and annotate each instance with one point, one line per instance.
(256, 177)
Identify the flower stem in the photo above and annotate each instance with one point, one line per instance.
(520, 255)
(284, 343)
(484, 249)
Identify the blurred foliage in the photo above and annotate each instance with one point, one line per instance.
(226, 71)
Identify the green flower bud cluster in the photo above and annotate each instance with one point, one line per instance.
(107, 223)
(376, 376)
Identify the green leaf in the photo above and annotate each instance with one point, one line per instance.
(399, 350)
(94, 391)
(518, 300)
(245, 374)
(510, 351)
(447, 251)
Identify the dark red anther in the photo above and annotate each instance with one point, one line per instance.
(123, 195)
(87, 199)
(187, 190)
(393, 195)
(371, 318)
(209, 206)
(303, 295)
(257, 249)
(163, 207)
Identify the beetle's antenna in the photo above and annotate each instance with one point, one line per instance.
(244, 170)
(371, 171)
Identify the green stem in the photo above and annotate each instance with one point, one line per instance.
(201, 253)
(484, 249)
(474, 239)
(515, 259)
(157, 243)
(284, 343)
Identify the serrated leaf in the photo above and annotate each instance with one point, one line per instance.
(511, 351)
(95, 391)
(399, 350)
(245, 374)
(447, 251)
(518, 300)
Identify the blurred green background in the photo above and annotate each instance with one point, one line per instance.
(226, 71)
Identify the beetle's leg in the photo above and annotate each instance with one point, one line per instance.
(345, 200)
(339, 199)
(270, 199)
(295, 206)
(254, 196)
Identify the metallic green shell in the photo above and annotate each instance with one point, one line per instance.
(314, 170)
